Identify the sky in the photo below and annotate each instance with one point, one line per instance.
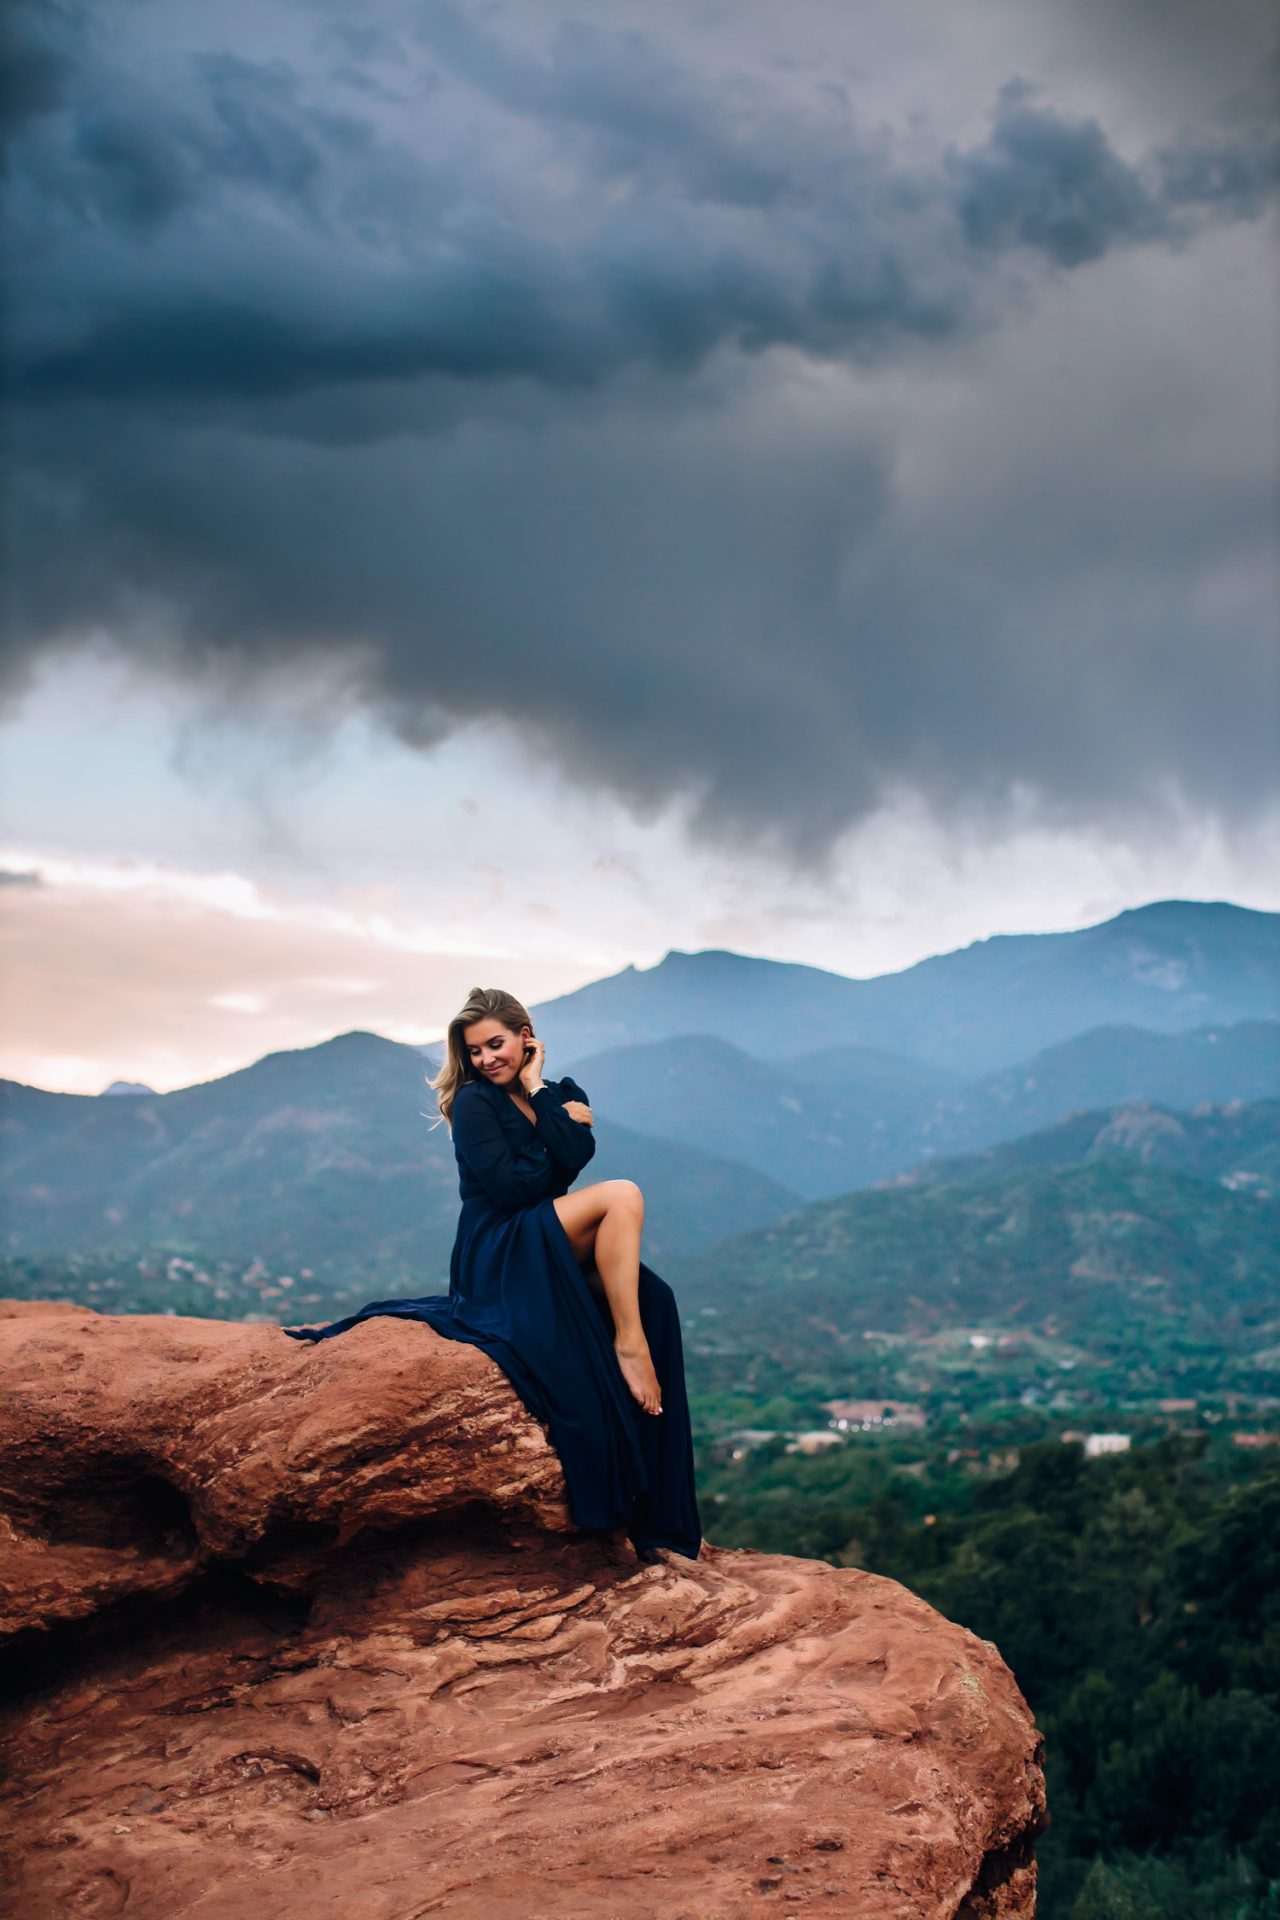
(494, 493)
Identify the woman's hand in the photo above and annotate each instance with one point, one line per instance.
(579, 1110)
(531, 1071)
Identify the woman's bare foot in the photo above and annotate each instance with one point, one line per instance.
(637, 1370)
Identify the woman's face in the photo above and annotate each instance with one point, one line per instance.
(495, 1052)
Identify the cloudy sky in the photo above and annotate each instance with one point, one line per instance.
(497, 491)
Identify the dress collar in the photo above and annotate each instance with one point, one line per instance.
(501, 1100)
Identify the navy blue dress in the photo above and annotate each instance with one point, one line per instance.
(517, 1292)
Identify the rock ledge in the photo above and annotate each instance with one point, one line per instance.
(346, 1655)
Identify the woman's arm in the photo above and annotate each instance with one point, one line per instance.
(479, 1141)
(571, 1141)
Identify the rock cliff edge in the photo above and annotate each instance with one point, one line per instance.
(307, 1631)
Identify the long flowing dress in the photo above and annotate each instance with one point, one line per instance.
(516, 1291)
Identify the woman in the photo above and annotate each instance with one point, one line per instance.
(550, 1283)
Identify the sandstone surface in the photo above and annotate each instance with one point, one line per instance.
(307, 1631)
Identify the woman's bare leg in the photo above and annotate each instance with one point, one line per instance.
(591, 1274)
(603, 1223)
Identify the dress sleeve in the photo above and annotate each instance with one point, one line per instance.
(479, 1141)
(571, 1142)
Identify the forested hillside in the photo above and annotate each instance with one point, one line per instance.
(1139, 1279)
(1135, 1598)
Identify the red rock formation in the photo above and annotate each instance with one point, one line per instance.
(349, 1657)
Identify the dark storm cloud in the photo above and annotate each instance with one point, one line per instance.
(738, 223)
(1231, 174)
(137, 159)
(1056, 186)
(32, 72)
(1053, 186)
(468, 362)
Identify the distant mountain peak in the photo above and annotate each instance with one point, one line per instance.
(360, 1040)
(1169, 911)
(709, 959)
(126, 1087)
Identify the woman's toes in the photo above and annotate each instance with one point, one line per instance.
(638, 1372)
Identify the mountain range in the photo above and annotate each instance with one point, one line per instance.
(1169, 966)
(324, 1156)
(826, 1124)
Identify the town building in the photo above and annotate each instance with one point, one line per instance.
(903, 1415)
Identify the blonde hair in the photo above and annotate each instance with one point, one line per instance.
(483, 1003)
